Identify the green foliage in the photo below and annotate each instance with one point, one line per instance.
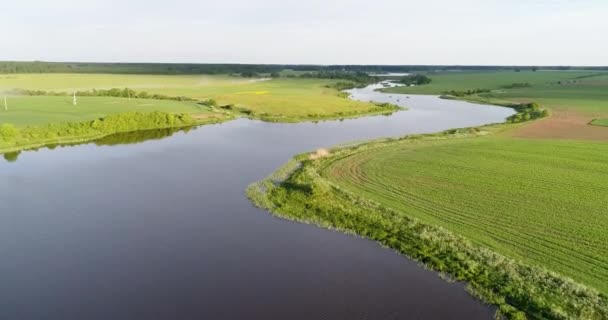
(526, 112)
(465, 93)
(517, 85)
(12, 138)
(355, 79)
(8, 132)
(392, 191)
(415, 79)
(114, 92)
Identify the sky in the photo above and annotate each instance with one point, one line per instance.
(467, 32)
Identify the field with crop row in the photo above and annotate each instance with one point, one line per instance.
(542, 202)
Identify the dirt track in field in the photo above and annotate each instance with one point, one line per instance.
(564, 125)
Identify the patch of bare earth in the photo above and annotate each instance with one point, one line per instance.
(564, 125)
(320, 153)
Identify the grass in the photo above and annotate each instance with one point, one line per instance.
(498, 193)
(459, 81)
(40, 110)
(277, 100)
(600, 122)
(445, 199)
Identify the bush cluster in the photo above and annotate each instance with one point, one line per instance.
(415, 79)
(464, 93)
(527, 111)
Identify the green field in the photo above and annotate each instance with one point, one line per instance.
(39, 110)
(514, 196)
(445, 199)
(278, 99)
(578, 91)
(465, 80)
(600, 122)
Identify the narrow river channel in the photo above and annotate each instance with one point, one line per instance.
(163, 229)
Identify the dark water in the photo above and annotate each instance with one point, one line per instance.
(163, 230)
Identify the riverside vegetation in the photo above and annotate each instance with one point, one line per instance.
(449, 220)
(14, 138)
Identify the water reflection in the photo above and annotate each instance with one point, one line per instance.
(12, 156)
(123, 138)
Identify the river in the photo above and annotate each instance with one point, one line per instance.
(163, 230)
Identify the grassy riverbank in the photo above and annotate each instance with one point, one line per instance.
(424, 197)
(14, 138)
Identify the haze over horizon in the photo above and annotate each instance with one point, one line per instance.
(541, 32)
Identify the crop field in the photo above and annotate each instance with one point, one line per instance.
(541, 202)
(39, 110)
(282, 98)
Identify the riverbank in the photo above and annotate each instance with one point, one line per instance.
(14, 139)
(302, 191)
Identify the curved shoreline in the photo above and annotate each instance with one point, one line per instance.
(218, 116)
(298, 191)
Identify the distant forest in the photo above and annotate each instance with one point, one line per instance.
(246, 69)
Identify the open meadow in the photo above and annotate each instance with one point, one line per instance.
(283, 99)
(41, 110)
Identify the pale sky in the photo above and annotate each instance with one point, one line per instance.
(479, 32)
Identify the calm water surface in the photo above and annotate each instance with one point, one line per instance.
(163, 230)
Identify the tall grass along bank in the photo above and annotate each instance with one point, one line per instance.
(13, 138)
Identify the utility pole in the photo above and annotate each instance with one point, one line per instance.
(74, 102)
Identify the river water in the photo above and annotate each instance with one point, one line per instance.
(163, 230)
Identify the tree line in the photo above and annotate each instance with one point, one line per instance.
(12, 136)
(195, 68)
